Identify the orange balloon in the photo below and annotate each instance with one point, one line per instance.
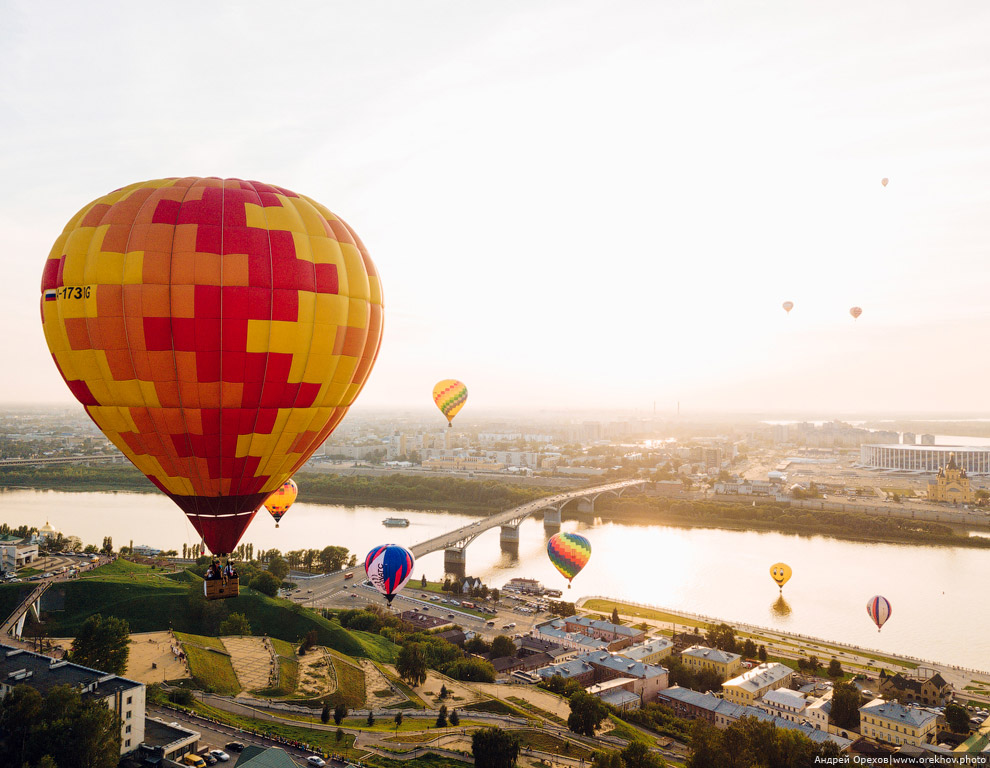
(855, 312)
(884, 182)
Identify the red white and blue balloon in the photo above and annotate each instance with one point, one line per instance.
(389, 567)
(879, 609)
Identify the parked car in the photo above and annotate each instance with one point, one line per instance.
(191, 758)
(220, 755)
(234, 746)
(316, 760)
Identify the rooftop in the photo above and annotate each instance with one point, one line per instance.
(784, 697)
(654, 645)
(619, 697)
(710, 654)
(760, 676)
(895, 712)
(605, 626)
(43, 672)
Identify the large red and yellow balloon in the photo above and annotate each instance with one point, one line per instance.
(216, 330)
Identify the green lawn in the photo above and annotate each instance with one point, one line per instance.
(623, 730)
(548, 743)
(212, 671)
(325, 741)
(532, 709)
(350, 681)
(415, 700)
(429, 760)
(203, 640)
(11, 596)
(149, 601)
(495, 706)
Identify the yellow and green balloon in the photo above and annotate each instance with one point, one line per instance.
(450, 396)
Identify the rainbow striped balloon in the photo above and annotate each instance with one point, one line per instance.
(569, 553)
(389, 567)
(279, 502)
(879, 609)
(450, 396)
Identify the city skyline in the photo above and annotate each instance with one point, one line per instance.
(732, 158)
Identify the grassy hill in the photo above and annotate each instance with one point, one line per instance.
(152, 601)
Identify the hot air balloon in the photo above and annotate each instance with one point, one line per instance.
(780, 573)
(855, 312)
(389, 567)
(884, 181)
(216, 330)
(788, 306)
(569, 553)
(879, 610)
(279, 502)
(450, 396)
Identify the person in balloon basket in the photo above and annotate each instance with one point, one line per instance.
(229, 572)
(214, 571)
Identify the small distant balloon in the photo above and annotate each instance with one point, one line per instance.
(884, 181)
(569, 553)
(780, 573)
(279, 502)
(389, 567)
(450, 396)
(878, 607)
(855, 312)
(788, 306)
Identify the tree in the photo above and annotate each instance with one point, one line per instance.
(371, 718)
(722, 637)
(494, 594)
(608, 758)
(749, 649)
(455, 719)
(398, 719)
(470, 670)
(845, 705)
(325, 714)
(834, 668)
(587, 713)
(19, 710)
(411, 665)
(266, 583)
(340, 734)
(443, 691)
(102, 644)
(278, 568)
(638, 755)
(422, 582)
(442, 717)
(615, 615)
(762, 654)
(503, 646)
(477, 645)
(957, 718)
(235, 624)
(339, 713)
(309, 642)
(494, 748)
(107, 548)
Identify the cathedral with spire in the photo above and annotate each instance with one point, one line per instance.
(951, 484)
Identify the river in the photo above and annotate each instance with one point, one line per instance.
(935, 592)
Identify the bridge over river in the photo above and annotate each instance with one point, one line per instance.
(454, 543)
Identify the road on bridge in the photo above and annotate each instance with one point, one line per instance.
(323, 586)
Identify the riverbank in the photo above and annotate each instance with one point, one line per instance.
(782, 518)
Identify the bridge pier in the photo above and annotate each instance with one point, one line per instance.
(551, 517)
(454, 560)
(510, 533)
(586, 505)
(19, 627)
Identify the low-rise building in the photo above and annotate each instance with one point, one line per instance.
(784, 703)
(700, 657)
(932, 690)
(618, 636)
(554, 632)
(169, 740)
(818, 710)
(601, 666)
(618, 692)
(16, 552)
(652, 651)
(893, 723)
(125, 697)
(754, 683)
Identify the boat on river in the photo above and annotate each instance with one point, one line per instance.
(395, 522)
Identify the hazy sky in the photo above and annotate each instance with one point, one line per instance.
(578, 204)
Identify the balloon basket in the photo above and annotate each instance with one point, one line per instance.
(216, 589)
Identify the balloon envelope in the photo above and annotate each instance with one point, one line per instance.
(855, 312)
(788, 306)
(450, 396)
(780, 573)
(569, 553)
(389, 567)
(878, 608)
(279, 502)
(883, 181)
(216, 330)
